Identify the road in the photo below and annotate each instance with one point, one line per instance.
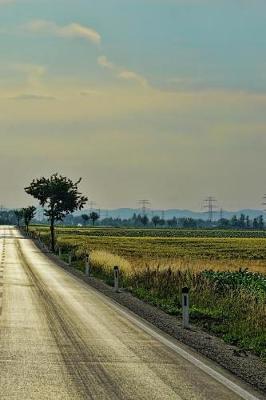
(60, 339)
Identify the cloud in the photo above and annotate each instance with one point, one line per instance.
(27, 96)
(133, 76)
(122, 73)
(33, 72)
(90, 92)
(104, 62)
(72, 30)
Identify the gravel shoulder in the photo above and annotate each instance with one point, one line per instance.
(244, 365)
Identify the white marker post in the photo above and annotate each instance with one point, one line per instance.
(185, 307)
(70, 258)
(116, 279)
(87, 265)
(59, 252)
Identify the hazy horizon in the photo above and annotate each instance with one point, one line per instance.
(156, 99)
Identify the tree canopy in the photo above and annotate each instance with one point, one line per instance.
(28, 214)
(59, 196)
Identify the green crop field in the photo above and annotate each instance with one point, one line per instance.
(159, 232)
(225, 271)
(168, 243)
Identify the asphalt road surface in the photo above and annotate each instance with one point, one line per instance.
(60, 339)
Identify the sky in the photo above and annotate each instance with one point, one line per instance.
(144, 99)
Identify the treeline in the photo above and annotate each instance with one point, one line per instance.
(24, 216)
(138, 221)
(243, 222)
(8, 217)
(18, 217)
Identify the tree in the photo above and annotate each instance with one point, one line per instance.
(224, 223)
(85, 218)
(234, 222)
(144, 220)
(155, 220)
(189, 223)
(60, 197)
(242, 221)
(28, 215)
(19, 216)
(255, 223)
(260, 222)
(94, 216)
(161, 222)
(172, 223)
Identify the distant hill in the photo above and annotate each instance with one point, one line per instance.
(125, 213)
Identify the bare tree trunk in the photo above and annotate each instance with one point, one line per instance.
(52, 235)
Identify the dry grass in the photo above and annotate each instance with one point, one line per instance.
(103, 259)
(201, 265)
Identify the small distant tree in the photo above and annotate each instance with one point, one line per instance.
(255, 223)
(138, 220)
(144, 220)
(189, 223)
(59, 195)
(261, 222)
(242, 221)
(234, 222)
(85, 218)
(94, 216)
(155, 220)
(224, 223)
(172, 223)
(19, 216)
(28, 215)
(161, 222)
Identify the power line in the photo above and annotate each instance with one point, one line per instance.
(210, 203)
(144, 205)
(264, 201)
(92, 204)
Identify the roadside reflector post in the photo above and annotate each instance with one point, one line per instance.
(87, 265)
(116, 279)
(70, 258)
(185, 307)
(59, 252)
